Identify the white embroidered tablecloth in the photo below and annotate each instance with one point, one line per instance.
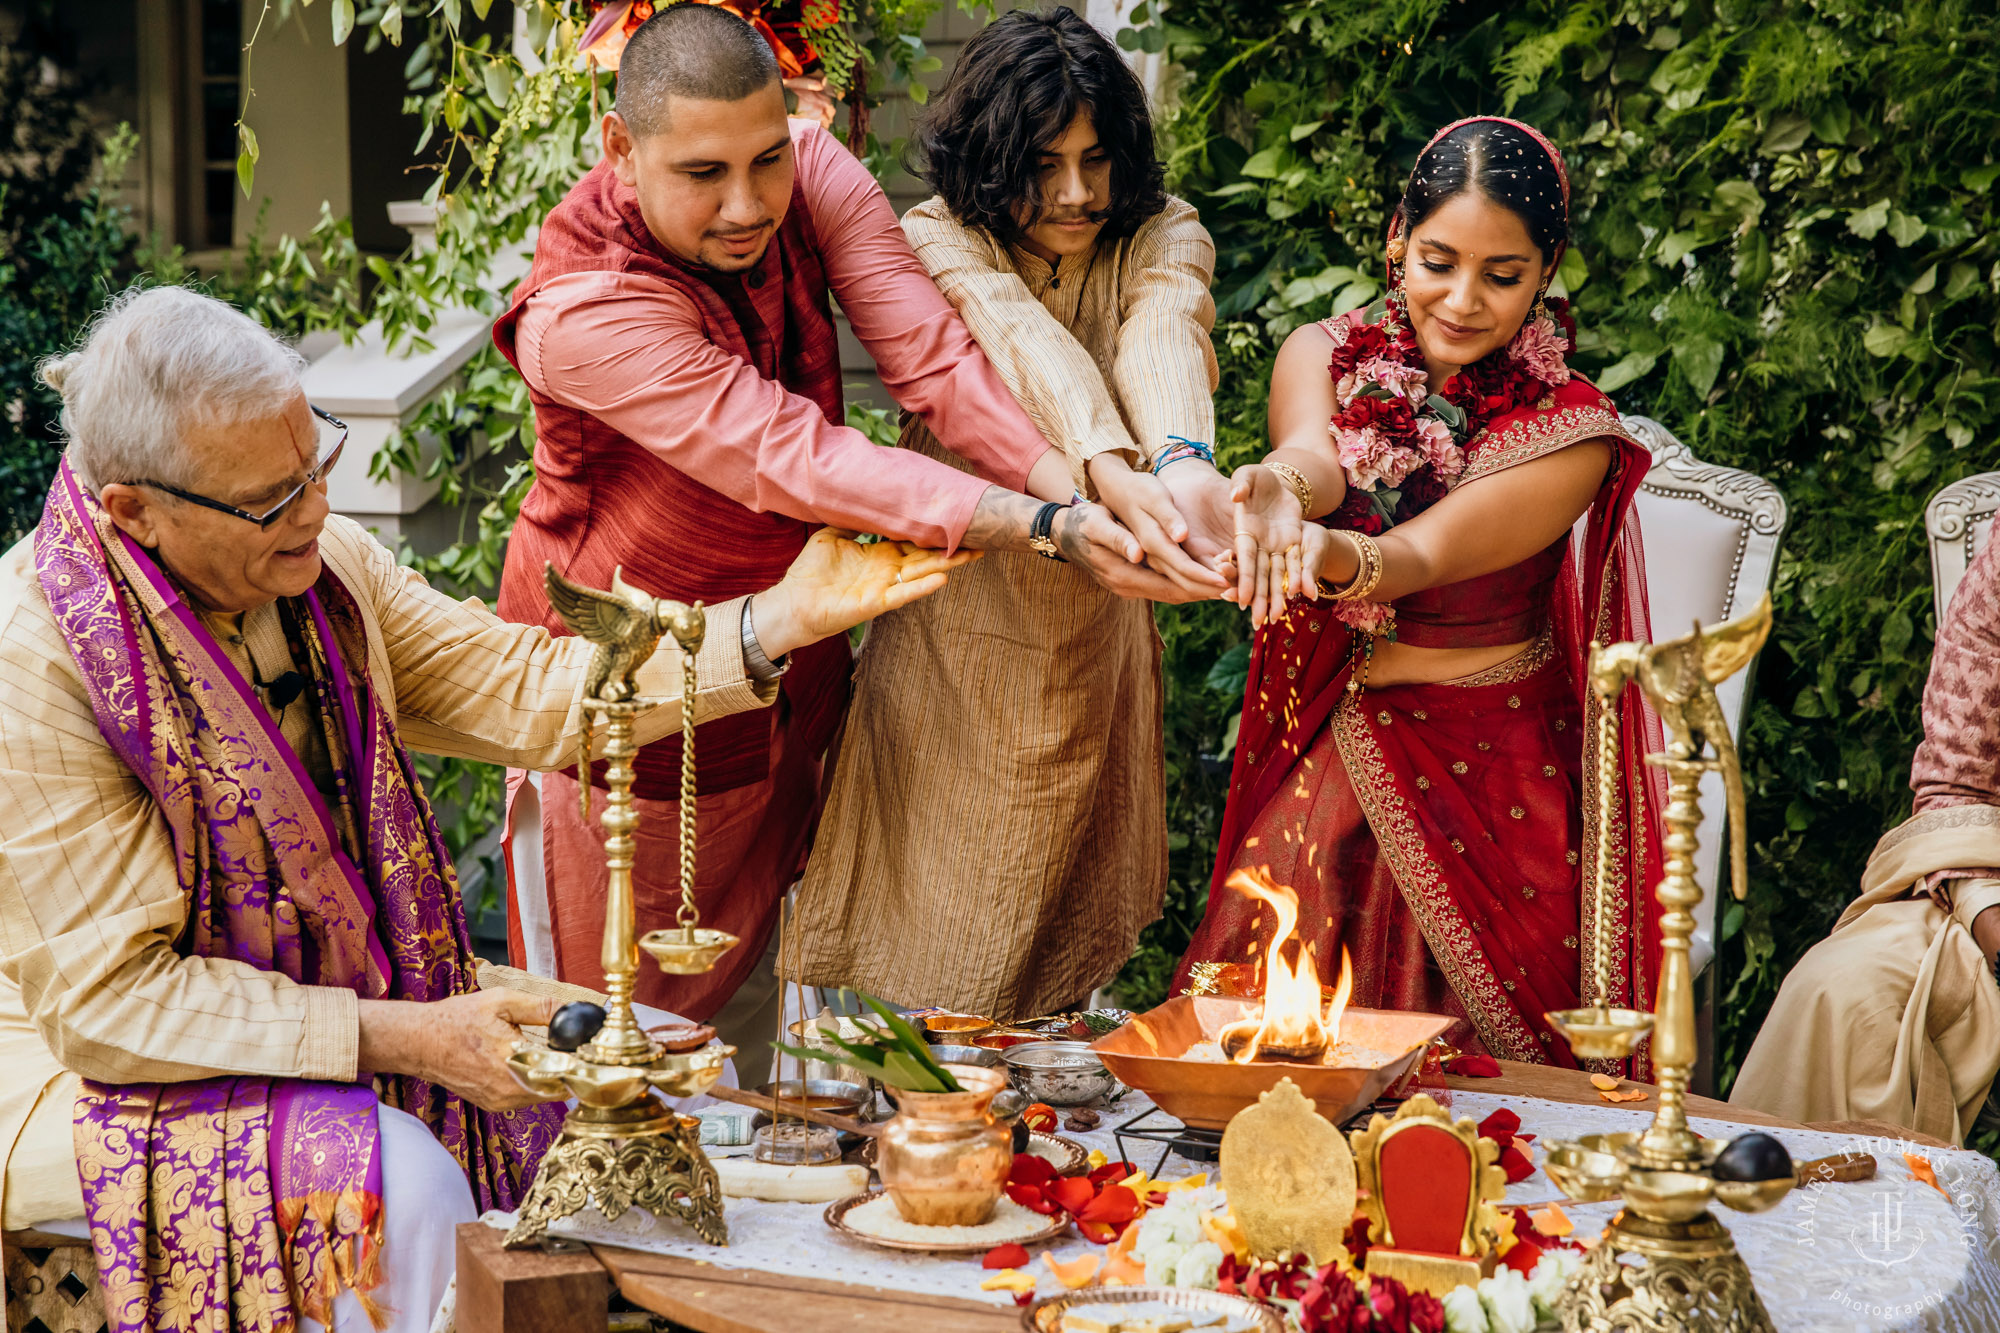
(1891, 1253)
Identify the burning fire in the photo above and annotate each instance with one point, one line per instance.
(1290, 1024)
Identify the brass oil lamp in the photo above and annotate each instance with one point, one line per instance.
(622, 1147)
(1688, 1274)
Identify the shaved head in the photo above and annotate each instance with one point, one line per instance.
(691, 50)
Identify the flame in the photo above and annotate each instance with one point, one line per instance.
(1290, 1015)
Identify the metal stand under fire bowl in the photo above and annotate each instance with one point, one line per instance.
(622, 1147)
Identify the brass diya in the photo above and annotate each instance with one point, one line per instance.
(622, 1147)
(1688, 1275)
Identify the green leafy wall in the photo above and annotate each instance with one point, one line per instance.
(1785, 253)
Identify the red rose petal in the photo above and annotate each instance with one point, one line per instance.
(1097, 1233)
(1071, 1194)
(1005, 1256)
(1028, 1169)
(1110, 1173)
(1116, 1204)
(1024, 1298)
(1473, 1066)
(1500, 1125)
(1516, 1164)
(1033, 1198)
(1523, 1257)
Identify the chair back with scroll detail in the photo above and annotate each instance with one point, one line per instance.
(1711, 536)
(1959, 522)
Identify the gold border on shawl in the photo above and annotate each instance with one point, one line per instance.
(1543, 433)
(1971, 814)
(1423, 887)
(1514, 669)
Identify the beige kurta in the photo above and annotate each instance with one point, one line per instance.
(995, 830)
(90, 982)
(1896, 1016)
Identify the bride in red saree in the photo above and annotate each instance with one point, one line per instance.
(1414, 757)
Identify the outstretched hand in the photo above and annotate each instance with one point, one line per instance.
(1145, 505)
(837, 582)
(1269, 523)
(1206, 500)
(1093, 541)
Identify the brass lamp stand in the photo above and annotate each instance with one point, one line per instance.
(622, 1147)
(1687, 1276)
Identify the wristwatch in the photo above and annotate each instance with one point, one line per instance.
(760, 668)
(1039, 531)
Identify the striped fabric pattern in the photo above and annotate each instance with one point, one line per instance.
(995, 831)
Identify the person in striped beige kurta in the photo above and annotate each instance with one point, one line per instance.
(994, 837)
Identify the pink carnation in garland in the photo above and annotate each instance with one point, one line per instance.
(1371, 459)
(1539, 348)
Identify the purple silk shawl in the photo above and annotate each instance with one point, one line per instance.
(223, 1204)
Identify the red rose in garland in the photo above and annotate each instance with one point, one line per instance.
(1402, 443)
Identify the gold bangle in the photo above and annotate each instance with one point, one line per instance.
(1368, 568)
(1295, 481)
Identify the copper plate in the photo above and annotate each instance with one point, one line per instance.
(1146, 1054)
(836, 1217)
(1045, 1316)
(1069, 1157)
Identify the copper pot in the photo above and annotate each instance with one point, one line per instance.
(942, 1156)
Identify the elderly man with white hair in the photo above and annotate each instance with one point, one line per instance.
(242, 1038)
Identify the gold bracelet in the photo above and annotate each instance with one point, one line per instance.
(1368, 571)
(1295, 481)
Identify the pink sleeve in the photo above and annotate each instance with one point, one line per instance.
(927, 358)
(631, 352)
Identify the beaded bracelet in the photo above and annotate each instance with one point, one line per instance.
(1295, 481)
(1182, 448)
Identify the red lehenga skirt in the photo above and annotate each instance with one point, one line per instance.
(1435, 832)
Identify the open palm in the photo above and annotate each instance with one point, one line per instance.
(837, 582)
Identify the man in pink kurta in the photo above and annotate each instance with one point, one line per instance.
(677, 343)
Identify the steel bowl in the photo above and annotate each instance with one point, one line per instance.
(966, 1055)
(853, 1100)
(1059, 1073)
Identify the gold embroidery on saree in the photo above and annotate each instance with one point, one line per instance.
(1464, 964)
(1525, 441)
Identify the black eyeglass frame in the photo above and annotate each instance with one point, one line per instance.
(276, 511)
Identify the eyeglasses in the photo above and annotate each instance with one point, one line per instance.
(330, 428)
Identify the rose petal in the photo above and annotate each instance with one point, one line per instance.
(1097, 1233)
(1920, 1169)
(1032, 1198)
(1110, 1173)
(1500, 1125)
(1071, 1194)
(1603, 1082)
(1473, 1066)
(1116, 1205)
(1552, 1221)
(1028, 1169)
(1516, 1164)
(1005, 1256)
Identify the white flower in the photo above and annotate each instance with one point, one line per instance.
(1462, 1311)
(1161, 1263)
(1199, 1267)
(1551, 1272)
(1509, 1307)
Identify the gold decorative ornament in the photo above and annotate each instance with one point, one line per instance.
(622, 1147)
(1295, 482)
(1688, 1276)
(1422, 1124)
(1291, 1177)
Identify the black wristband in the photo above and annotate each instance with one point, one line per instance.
(1039, 531)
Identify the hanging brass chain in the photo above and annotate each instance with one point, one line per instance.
(1607, 778)
(688, 916)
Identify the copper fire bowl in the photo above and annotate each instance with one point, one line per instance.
(1147, 1054)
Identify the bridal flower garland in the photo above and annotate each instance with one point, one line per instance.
(1402, 445)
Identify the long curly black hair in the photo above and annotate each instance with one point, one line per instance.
(1017, 86)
